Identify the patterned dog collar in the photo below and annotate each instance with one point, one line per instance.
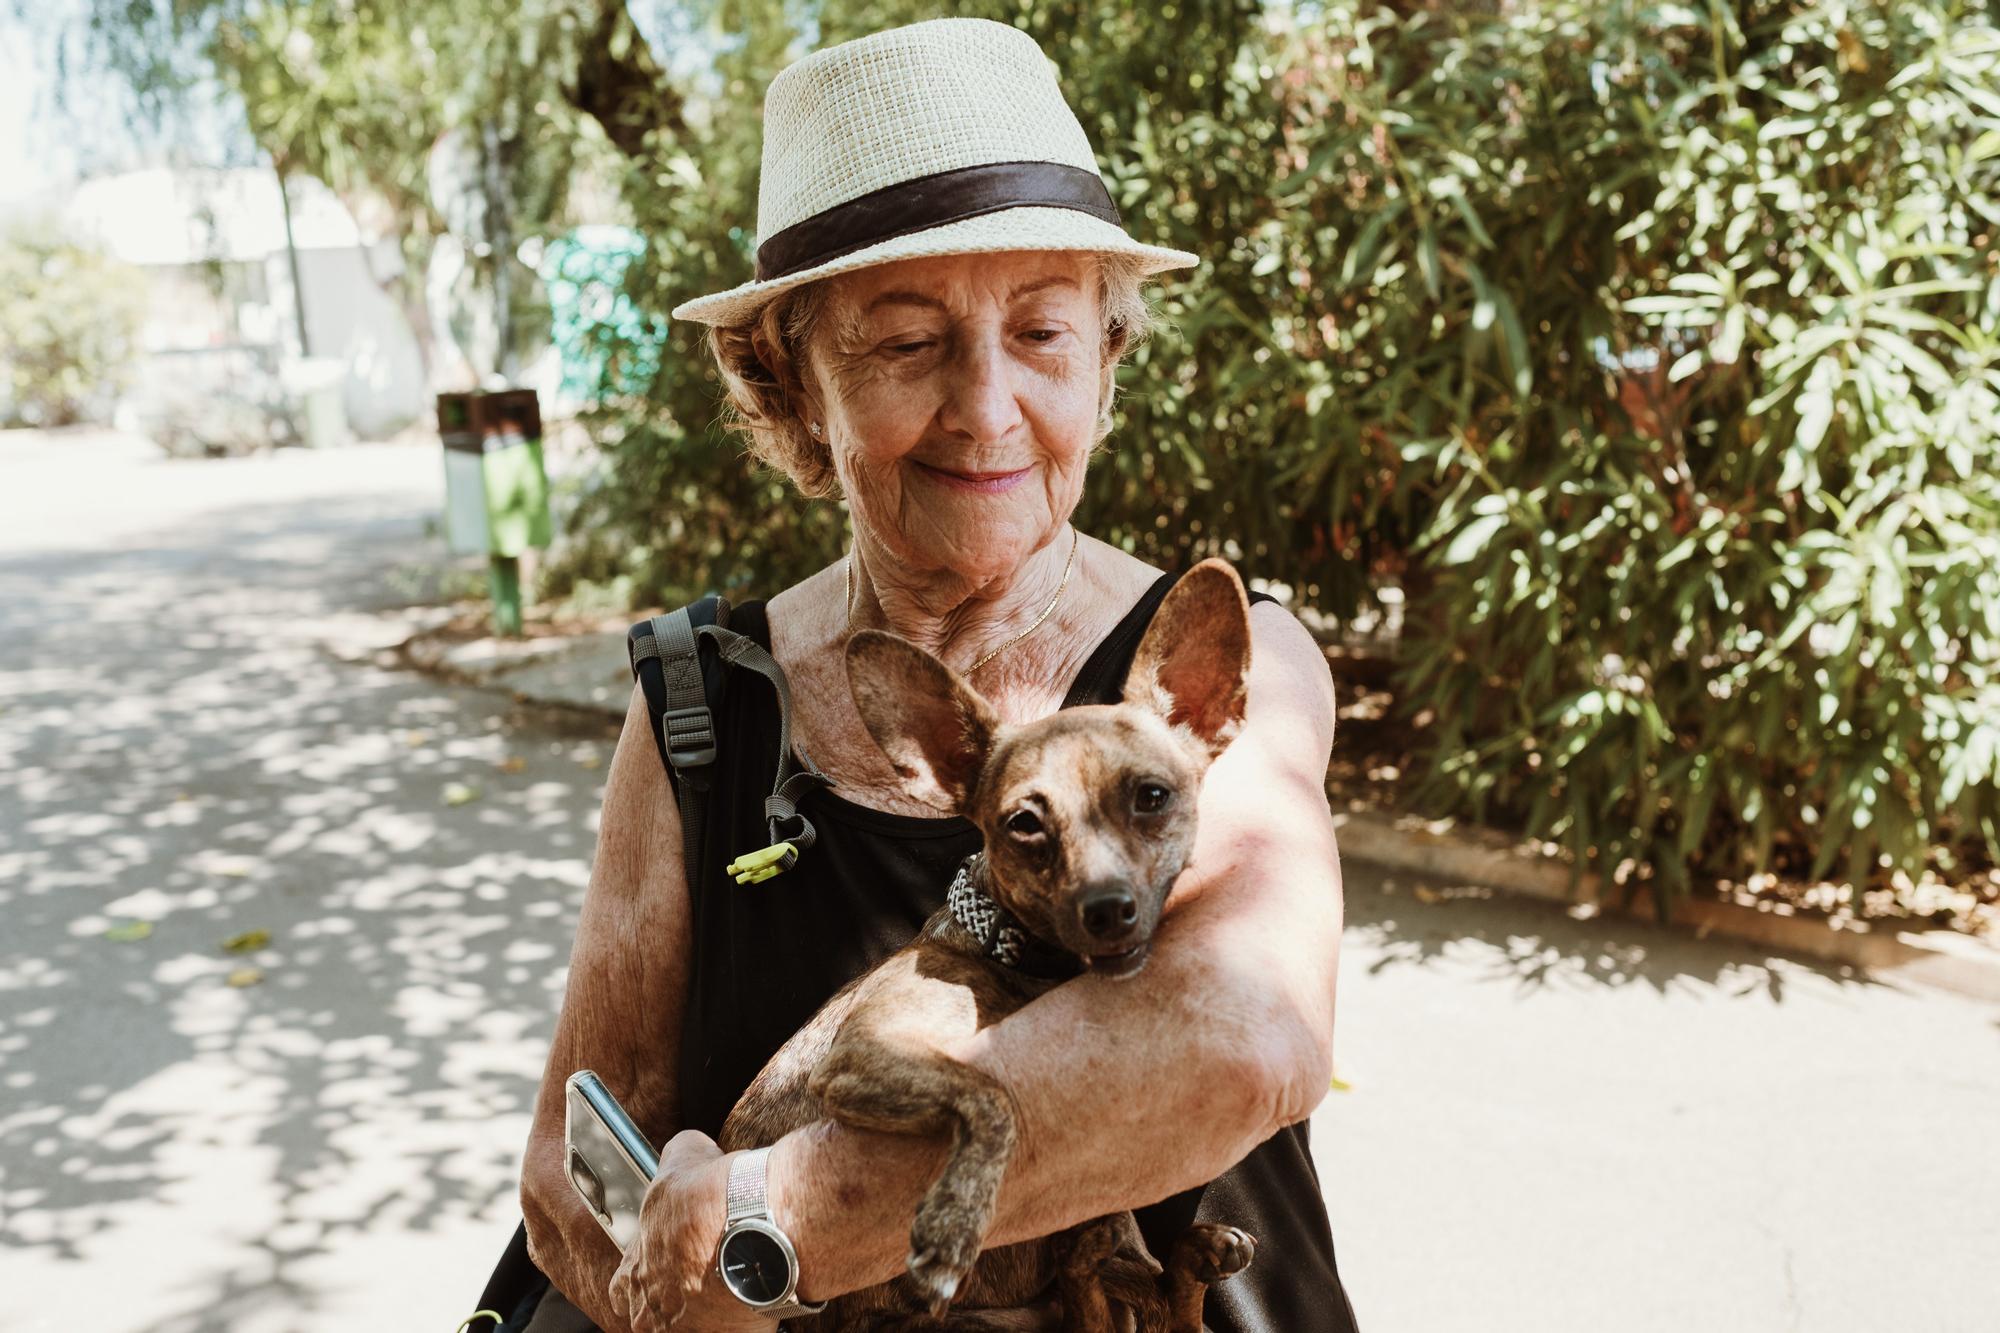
(999, 933)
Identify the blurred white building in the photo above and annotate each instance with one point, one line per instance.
(223, 333)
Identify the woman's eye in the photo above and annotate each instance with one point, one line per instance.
(1150, 798)
(1042, 336)
(1024, 824)
(909, 348)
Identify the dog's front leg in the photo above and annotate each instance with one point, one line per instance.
(1205, 1254)
(901, 1087)
(1106, 1278)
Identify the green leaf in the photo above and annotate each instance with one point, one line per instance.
(1514, 339)
(1473, 539)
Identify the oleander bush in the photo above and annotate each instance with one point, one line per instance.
(1703, 413)
(1650, 349)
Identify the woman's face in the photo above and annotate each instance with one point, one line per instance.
(960, 399)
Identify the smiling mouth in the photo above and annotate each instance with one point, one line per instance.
(988, 483)
(1124, 963)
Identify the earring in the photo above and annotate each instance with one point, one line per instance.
(815, 430)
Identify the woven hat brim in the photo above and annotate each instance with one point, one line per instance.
(1026, 228)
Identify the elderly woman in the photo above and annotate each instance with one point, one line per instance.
(943, 296)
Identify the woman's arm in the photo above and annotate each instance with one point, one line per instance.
(621, 1014)
(1128, 1091)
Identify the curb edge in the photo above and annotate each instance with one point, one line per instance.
(1481, 856)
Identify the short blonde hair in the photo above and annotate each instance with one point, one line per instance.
(763, 363)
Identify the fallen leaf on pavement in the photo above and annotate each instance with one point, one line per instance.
(513, 763)
(590, 761)
(415, 738)
(1341, 1085)
(460, 793)
(131, 930)
(248, 942)
(1425, 895)
(245, 976)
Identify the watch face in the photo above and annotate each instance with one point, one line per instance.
(755, 1267)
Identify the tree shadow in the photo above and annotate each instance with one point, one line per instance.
(1417, 921)
(179, 748)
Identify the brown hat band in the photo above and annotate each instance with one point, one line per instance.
(931, 201)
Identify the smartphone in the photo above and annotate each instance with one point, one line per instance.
(610, 1162)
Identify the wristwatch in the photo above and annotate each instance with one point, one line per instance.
(756, 1260)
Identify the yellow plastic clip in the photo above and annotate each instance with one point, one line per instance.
(758, 866)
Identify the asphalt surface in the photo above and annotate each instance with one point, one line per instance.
(1552, 1124)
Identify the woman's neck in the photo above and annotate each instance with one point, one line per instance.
(956, 619)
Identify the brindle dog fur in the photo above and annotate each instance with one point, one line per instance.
(1089, 817)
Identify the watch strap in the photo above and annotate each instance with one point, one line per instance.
(746, 1186)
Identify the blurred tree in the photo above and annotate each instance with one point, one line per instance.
(358, 93)
(68, 328)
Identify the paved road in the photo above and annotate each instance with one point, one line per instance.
(1554, 1125)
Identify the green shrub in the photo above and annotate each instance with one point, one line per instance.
(1686, 330)
(69, 328)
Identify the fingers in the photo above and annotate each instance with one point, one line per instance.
(687, 1151)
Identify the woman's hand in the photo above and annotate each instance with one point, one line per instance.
(668, 1280)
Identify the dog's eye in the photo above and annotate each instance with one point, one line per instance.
(1024, 824)
(1150, 798)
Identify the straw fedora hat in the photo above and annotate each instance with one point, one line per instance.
(948, 137)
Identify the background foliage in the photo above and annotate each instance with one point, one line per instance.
(1649, 349)
(68, 328)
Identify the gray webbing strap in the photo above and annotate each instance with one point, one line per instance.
(794, 779)
(687, 728)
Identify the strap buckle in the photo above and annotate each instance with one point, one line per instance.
(690, 736)
(764, 863)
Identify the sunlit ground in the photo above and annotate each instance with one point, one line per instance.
(183, 754)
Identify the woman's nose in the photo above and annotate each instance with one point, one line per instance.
(980, 402)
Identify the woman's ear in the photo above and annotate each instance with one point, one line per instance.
(1193, 665)
(1116, 335)
(934, 728)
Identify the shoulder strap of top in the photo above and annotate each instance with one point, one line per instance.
(1102, 680)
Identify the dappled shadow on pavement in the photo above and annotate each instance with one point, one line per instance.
(1404, 920)
(179, 748)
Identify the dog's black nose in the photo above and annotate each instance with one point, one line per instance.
(1109, 913)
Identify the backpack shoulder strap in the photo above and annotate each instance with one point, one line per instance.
(684, 688)
(683, 691)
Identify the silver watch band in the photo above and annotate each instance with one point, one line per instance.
(746, 1186)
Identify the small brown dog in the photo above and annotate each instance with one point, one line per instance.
(1089, 817)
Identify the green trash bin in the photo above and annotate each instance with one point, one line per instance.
(496, 490)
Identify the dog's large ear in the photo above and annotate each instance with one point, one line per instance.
(934, 727)
(1193, 664)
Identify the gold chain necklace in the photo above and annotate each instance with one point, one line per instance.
(1076, 539)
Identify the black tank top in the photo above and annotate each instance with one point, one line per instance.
(766, 956)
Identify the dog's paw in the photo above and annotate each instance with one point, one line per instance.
(1211, 1252)
(1085, 1248)
(937, 1278)
(943, 1249)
